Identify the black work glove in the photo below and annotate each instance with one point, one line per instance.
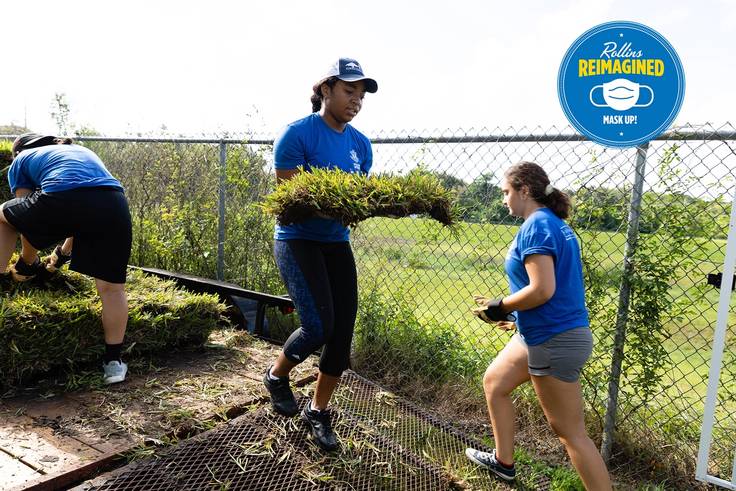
(491, 310)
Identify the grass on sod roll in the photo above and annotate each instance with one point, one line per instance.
(57, 324)
(352, 198)
(6, 158)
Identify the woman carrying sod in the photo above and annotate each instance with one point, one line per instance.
(62, 191)
(553, 341)
(314, 256)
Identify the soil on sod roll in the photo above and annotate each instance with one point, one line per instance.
(54, 324)
(352, 198)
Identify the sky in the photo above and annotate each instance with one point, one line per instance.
(247, 67)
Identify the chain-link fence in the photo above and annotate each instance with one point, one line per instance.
(648, 245)
(652, 222)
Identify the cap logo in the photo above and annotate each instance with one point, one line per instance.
(352, 66)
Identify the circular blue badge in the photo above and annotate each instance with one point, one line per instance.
(621, 84)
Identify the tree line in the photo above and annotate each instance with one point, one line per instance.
(596, 207)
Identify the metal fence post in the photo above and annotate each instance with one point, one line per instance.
(221, 213)
(624, 295)
(716, 361)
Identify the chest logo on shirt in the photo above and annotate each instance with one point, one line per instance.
(356, 160)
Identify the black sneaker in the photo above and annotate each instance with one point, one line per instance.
(282, 398)
(488, 460)
(321, 427)
(56, 260)
(24, 272)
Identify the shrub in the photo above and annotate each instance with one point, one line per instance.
(173, 191)
(393, 346)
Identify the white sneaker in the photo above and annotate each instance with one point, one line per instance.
(114, 371)
(490, 462)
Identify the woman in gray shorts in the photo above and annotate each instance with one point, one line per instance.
(553, 342)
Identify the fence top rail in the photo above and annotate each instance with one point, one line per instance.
(550, 137)
(131, 139)
(500, 138)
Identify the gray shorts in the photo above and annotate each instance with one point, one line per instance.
(561, 356)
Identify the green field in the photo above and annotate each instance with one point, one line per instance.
(438, 271)
(442, 270)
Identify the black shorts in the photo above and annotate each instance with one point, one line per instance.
(98, 218)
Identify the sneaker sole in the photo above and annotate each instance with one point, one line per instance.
(114, 380)
(472, 458)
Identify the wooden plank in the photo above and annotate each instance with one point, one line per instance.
(34, 434)
(47, 410)
(14, 472)
(53, 414)
(67, 477)
(42, 448)
(105, 445)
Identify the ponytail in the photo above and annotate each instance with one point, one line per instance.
(558, 202)
(541, 190)
(316, 100)
(317, 96)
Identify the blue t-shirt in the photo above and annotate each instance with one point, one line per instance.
(54, 168)
(311, 143)
(545, 233)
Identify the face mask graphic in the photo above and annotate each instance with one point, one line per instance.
(621, 94)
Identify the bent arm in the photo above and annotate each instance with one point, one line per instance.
(541, 287)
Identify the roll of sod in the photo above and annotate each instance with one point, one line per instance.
(352, 198)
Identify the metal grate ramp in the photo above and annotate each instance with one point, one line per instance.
(386, 443)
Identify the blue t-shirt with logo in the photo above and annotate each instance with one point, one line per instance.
(311, 143)
(545, 233)
(54, 168)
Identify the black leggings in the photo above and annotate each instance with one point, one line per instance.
(323, 284)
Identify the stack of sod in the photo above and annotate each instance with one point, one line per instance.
(56, 324)
(352, 198)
